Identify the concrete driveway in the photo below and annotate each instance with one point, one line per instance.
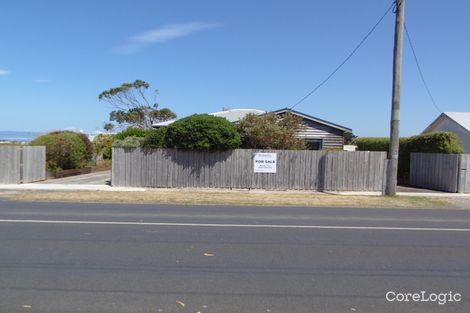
(97, 178)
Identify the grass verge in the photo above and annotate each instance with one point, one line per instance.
(268, 198)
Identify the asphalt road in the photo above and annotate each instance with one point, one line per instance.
(148, 258)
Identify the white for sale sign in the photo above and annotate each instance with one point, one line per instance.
(265, 162)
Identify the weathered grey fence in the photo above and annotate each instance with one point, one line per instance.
(308, 170)
(444, 172)
(464, 174)
(354, 171)
(22, 164)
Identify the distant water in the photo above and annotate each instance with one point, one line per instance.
(18, 136)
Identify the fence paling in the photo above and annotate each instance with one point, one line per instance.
(444, 172)
(464, 174)
(22, 164)
(308, 170)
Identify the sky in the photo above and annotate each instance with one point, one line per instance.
(56, 57)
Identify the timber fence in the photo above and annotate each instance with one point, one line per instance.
(294, 169)
(20, 164)
(444, 172)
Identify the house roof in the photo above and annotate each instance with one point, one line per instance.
(315, 119)
(165, 123)
(461, 118)
(232, 115)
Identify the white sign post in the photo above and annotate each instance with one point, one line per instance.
(265, 162)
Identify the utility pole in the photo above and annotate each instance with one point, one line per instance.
(391, 179)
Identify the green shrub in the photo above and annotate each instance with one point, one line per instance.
(129, 142)
(103, 146)
(64, 150)
(372, 144)
(439, 142)
(270, 131)
(131, 132)
(86, 141)
(155, 138)
(202, 132)
(88, 146)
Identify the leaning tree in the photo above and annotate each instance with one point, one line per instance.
(133, 107)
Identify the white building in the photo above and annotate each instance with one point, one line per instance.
(456, 122)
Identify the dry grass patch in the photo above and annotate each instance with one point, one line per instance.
(268, 198)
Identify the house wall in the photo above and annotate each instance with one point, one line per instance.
(332, 137)
(448, 125)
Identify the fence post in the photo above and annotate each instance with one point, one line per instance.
(385, 175)
(21, 164)
(462, 174)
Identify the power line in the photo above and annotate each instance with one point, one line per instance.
(346, 59)
(420, 71)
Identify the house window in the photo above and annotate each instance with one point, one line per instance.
(314, 144)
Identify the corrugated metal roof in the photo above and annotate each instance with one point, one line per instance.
(234, 115)
(166, 123)
(462, 118)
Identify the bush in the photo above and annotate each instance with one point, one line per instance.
(103, 146)
(155, 138)
(86, 141)
(439, 142)
(372, 144)
(64, 150)
(131, 132)
(129, 142)
(88, 146)
(202, 132)
(270, 131)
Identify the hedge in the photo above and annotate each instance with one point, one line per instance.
(155, 138)
(439, 142)
(202, 132)
(129, 142)
(131, 132)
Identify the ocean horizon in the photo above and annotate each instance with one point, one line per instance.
(18, 136)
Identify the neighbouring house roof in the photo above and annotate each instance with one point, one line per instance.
(166, 123)
(315, 119)
(461, 118)
(232, 115)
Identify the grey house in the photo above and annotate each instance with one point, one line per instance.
(319, 134)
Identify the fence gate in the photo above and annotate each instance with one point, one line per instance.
(22, 164)
(435, 171)
(464, 174)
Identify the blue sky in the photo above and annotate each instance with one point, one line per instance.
(57, 56)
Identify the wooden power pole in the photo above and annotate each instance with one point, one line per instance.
(391, 179)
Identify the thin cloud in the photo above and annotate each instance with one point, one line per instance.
(162, 34)
(4, 72)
